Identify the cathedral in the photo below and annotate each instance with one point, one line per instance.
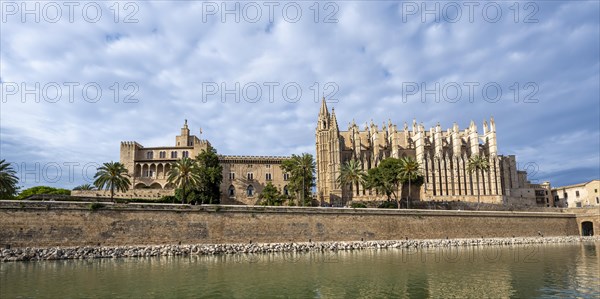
(442, 155)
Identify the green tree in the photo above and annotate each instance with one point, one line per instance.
(42, 190)
(84, 187)
(270, 196)
(112, 176)
(184, 175)
(351, 173)
(210, 173)
(8, 180)
(301, 169)
(408, 171)
(475, 165)
(385, 178)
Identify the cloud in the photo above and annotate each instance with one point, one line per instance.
(370, 51)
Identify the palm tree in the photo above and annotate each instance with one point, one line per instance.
(112, 176)
(351, 173)
(183, 173)
(475, 164)
(84, 187)
(8, 180)
(301, 169)
(409, 170)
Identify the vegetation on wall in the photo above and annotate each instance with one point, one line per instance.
(8, 181)
(301, 169)
(271, 196)
(42, 190)
(84, 187)
(198, 180)
(386, 178)
(112, 176)
(478, 164)
(351, 173)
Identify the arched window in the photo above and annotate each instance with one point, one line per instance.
(250, 190)
(173, 155)
(250, 176)
(150, 155)
(162, 154)
(185, 154)
(268, 176)
(285, 190)
(286, 176)
(231, 191)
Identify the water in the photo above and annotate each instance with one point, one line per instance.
(540, 271)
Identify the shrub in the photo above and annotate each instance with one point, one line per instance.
(38, 190)
(388, 205)
(358, 205)
(96, 206)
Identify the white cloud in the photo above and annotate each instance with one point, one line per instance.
(369, 53)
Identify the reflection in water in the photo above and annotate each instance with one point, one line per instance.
(555, 270)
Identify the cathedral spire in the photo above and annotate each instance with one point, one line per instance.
(334, 120)
(324, 118)
(324, 111)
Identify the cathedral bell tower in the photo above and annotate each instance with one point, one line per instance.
(328, 155)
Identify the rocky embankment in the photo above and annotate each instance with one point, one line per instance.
(88, 252)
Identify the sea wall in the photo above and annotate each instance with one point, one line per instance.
(46, 224)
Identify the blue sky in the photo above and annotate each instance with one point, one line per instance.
(380, 60)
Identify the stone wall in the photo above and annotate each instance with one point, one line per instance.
(587, 215)
(41, 224)
(131, 193)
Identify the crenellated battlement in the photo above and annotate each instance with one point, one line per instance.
(130, 143)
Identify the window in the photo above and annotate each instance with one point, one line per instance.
(595, 190)
(285, 191)
(173, 155)
(286, 176)
(268, 166)
(250, 191)
(565, 195)
(578, 204)
(268, 176)
(231, 191)
(576, 193)
(250, 176)
(162, 154)
(150, 155)
(185, 154)
(597, 200)
(191, 143)
(232, 176)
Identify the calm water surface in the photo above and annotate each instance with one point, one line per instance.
(540, 271)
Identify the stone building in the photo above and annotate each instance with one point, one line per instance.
(244, 177)
(578, 195)
(442, 155)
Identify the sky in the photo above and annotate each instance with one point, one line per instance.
(78, 78)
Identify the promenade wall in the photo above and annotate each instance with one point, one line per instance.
(44, 224)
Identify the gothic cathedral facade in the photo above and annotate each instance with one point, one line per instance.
(442, 155)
